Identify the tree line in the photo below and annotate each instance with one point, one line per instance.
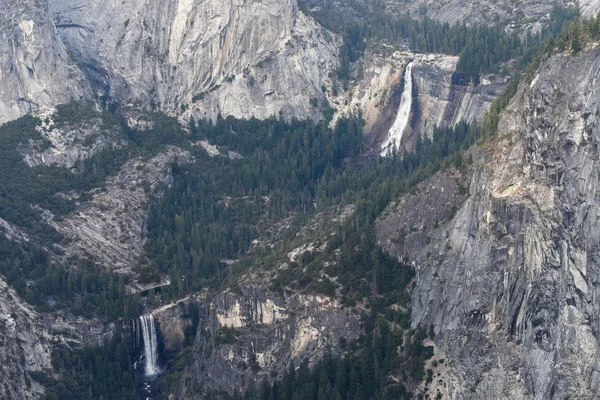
(482, 49)
(218, 205)
(104, 373)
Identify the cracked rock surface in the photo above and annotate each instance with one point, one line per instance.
(511, 282)
(110, 229)
(270, 330)
(234, 57)
(35, 69)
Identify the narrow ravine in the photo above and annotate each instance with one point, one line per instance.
(394, 137)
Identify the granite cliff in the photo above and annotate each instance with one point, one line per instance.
(507, 271)
(526, 14)
(35, 68)
(440, 96)
(505, 247)
(251, 333)
(231, 57)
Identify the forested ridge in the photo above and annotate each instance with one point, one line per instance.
(267, 171)
(219, 204)
(481, 49)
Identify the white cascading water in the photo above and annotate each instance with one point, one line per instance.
(394, 137)
(150, 345)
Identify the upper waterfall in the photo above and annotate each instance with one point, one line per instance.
(394, 138)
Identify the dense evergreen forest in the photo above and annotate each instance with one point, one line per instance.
(218, 204)
(104, 372)
(267, 171)
(481, 49)
(215, 209)
(49, 286)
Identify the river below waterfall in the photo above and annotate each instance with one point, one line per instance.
(147, 365)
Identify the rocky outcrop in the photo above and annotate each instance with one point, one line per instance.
(250, 333)
(408, 224)
(376, 96)
(71, 143)
(518, 16)
(24, 347)
(589, 8)
(440, 96)
(445, 97)
(510, 282)
(173, 320)
(234, 57)
(12, 232)
(110, 229)
(36, 70)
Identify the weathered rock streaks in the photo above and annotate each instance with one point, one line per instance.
(258, 58)
(253, 329)
(35, 68)
(510, 281)
(110, 229)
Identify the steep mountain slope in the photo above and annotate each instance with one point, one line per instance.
(514, 15)
(232, 57)
(517, 16)
(589, 7)
(24, 347)
(35, 68)
(524, 319)
(443, 97)
(508, 278)
(110, 229)
(440, 97)
(251, 333)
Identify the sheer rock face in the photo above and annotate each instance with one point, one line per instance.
(376, 96)
(511, 281)
(589, 7)
(35, 68)
(111, 229)
(441, 97)
(24, 347)
(234, 57)
(445, 98)
(251, 333)
(476, 11)
(514, 15)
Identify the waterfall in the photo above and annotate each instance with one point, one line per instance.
(151, 367)
(394, 137)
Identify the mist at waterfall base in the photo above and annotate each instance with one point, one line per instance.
(150, 355)
(147, 364)
(394, 137)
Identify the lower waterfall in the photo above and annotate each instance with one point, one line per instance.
(394, 138)
(151, 366)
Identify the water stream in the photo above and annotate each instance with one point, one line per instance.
(394, 138)
(151, 366)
